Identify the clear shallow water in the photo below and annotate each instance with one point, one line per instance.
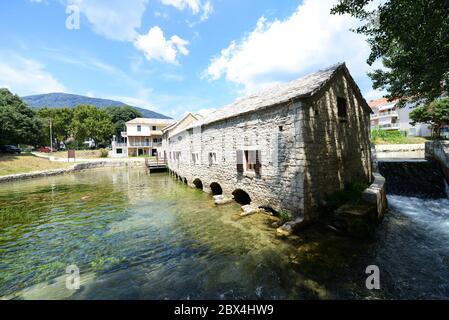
(136, 236)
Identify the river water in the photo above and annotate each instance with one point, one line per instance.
(136, 236)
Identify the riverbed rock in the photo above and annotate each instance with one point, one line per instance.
(358, 220)
(220, 200)
(249, 209)
(290, 227)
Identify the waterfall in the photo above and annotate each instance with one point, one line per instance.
(414, 178)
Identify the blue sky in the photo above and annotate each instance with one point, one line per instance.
(172, 56)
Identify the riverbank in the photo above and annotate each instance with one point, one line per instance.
(20, 167)
(26, 163)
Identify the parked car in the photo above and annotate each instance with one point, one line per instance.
(44, 149)
(10, 149)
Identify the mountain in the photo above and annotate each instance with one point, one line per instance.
(59, 100)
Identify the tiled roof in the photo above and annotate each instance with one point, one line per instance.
(303, 87)
(151, 121)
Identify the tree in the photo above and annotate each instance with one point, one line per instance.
(61, 120)
(18, 122)
(436, 113)
(89, 122)
(412, 39)
(121, 115)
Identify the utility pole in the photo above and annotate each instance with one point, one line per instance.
(51, 137)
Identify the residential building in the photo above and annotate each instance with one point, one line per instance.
(143, 136)
(177, 127)
(388, 116)
(284, 148)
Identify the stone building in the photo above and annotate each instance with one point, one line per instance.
(284, 148)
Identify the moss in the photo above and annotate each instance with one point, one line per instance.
(284, 216)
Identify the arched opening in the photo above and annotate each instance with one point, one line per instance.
(180, 178)
(185, 180)
(198, 184)
(216, 189)
(241, 197)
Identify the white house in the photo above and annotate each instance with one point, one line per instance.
(143, 136)
(388, 116)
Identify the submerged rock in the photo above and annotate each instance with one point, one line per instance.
(289, 227)
(358, 220)
(249, 209)
(220, 199)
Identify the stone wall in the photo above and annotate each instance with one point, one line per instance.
(276, 132)
(337, 150)
(71, 169)
(439, 150)
(306, 151)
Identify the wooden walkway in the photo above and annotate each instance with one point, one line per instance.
(156, 165)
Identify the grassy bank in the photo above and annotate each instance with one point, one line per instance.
(15, 164)
(394, 137)
(82, 154)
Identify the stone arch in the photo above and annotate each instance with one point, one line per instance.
(216, 189)
(241, 197)
(198, 184)
(185, 180)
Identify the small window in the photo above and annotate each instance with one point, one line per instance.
(249, 161)
(342, 107)
(195, 158)
(281, 128)
(119, 151)
(139, 128)
(154, 128)
(212, 158)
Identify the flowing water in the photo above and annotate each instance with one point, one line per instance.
(136, 236)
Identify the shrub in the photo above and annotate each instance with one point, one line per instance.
(351, 194)
(284, 216)
(104, 153)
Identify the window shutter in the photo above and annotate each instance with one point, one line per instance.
(240, 161)
(258, 161)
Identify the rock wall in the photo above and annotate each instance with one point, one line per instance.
(275, 132)
(337, 149)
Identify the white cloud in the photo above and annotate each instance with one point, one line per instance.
(208, 9)
(196, 6)
(24, 76)
(155, 46)
(311, 38)
(114, 19)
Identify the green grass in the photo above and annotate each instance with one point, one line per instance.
(15, 164)
(394, 137)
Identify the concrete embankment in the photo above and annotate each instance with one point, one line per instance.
(400, 151)
(439, 151)
(76, 167)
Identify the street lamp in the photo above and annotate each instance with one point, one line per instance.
(51, 137)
